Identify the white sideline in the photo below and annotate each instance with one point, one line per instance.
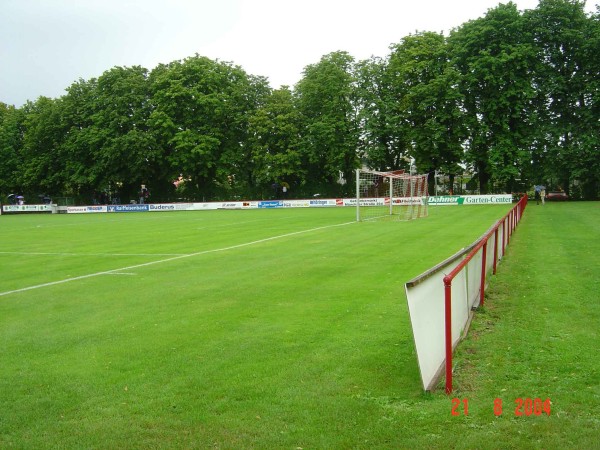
(204, 252)
(88, 254)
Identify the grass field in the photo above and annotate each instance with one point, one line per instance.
(286, 329)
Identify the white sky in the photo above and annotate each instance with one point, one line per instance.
(46, 45)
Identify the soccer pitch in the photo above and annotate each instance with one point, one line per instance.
(227, 329)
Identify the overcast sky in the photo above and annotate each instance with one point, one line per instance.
(46, 45)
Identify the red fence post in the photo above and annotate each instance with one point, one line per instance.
(495, 249)
(483, 265)
(509, 227)
(448, 331)
(503, 237)
(514, 219)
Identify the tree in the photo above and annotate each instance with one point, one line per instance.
(429, 102)
(383, 143)
(567, 45)
(200, 118)
(11, 142)
(325, 99)
(82, 141)
(274, 136)
(247, 96)
(588, 164)
(42, 165)
(128, 155)
(495, 58)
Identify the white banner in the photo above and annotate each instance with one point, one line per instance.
(263, 204)
(27, 208)
(496, 199)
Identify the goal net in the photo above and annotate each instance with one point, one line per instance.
(390, 195)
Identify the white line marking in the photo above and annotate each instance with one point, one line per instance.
(174, 258)
(88, 254)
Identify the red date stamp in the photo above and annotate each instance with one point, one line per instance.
(522, 407)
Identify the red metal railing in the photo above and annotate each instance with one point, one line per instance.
(508, 224)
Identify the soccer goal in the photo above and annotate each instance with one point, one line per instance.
(390, 195)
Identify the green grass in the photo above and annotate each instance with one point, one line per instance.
(301, 339)
(538, 335)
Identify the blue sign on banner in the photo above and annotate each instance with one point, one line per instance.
(128, 208)
(271, 204)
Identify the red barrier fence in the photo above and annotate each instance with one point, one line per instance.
(508, 224)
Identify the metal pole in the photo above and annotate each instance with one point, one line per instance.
(504, 237)
(412, 194)
(483, 265)
(358, 195)
(391, 196)
(495, 249)
(448, 331)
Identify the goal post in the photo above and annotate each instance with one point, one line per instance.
(390, 195)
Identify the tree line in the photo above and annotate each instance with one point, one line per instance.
(512, 98)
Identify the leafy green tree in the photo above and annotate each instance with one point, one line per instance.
(200, 119)
(129, 154)
(82, 142)
(325, 99)
(12, 126)
(495, 57)
(429, 102)
(247, 95)
(567, 46)
(42, 165)
(588, 164)
(274, 135)
(383, 140)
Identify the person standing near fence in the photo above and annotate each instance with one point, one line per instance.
(538, 188)
(144, 194)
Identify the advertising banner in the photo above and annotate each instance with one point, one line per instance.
(96, 209)
(271, 204)
(365, 202)
(171, 207)
(87, 209)
(322, 202)
(442, 200)
(77, 210)
(233, 205)
(128, 208)
(470, 199)
(26, 208)
(296, 204)
(408, 201)
(207, 206)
